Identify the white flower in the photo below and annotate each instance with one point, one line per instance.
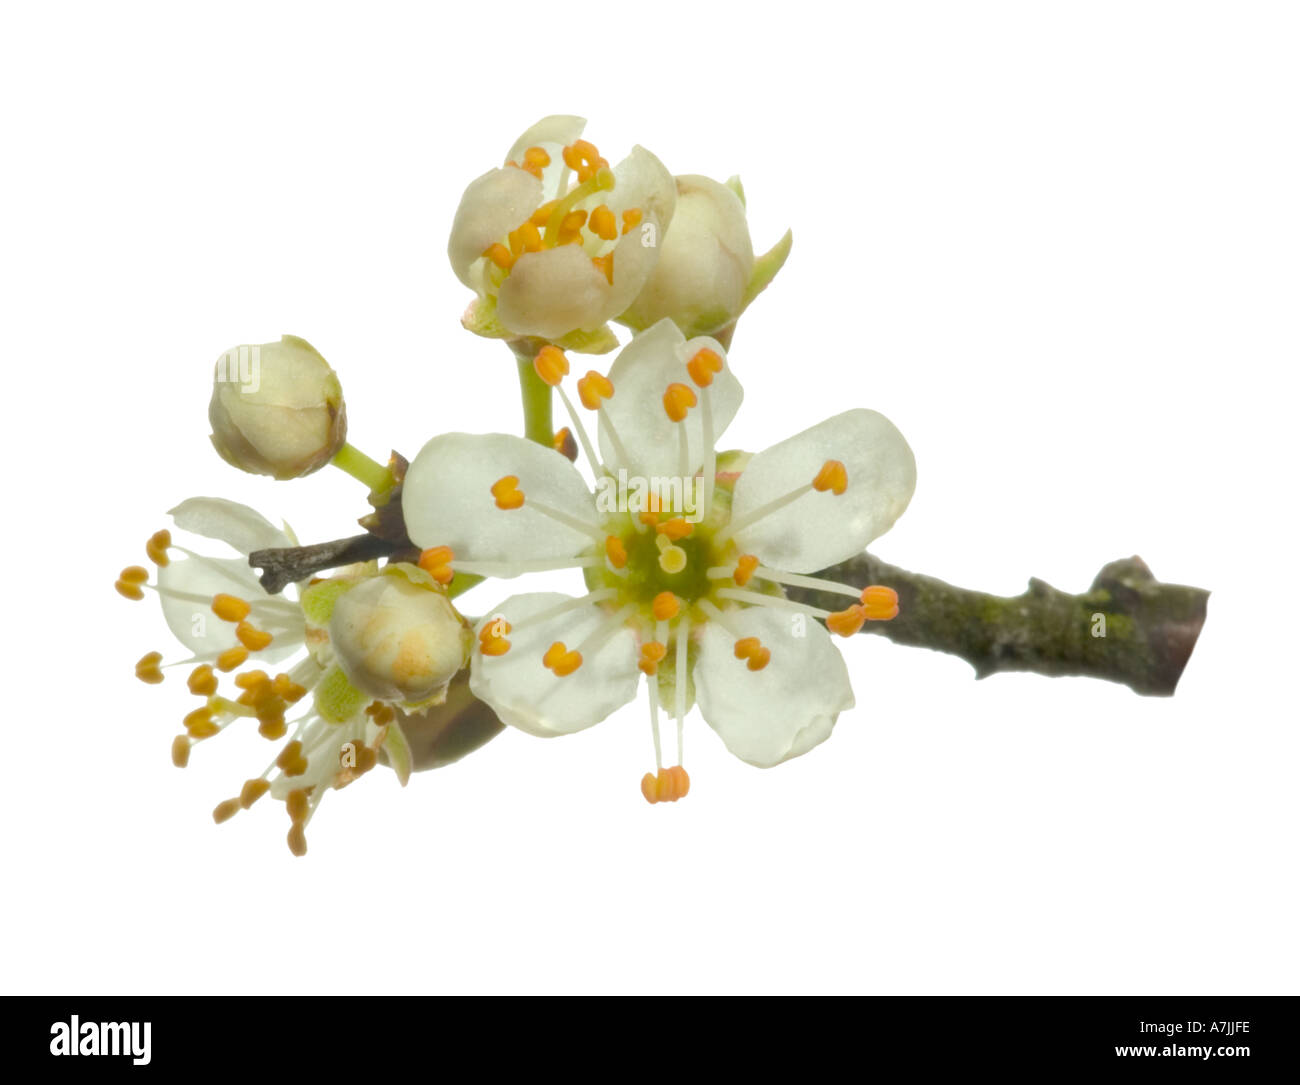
(218, 609)
(555, 243)
(276, 409)
(688, 592)
(705, 265)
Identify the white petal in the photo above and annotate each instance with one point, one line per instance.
(192, 621)
(641, 181)
(768, 716)
(551, 293)
(552, 134)
(447, 499)
(820, 529)
(641, 374)
(493, 205)
(524, 694)
(230, 522)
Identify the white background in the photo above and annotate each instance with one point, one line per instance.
(1056, 244)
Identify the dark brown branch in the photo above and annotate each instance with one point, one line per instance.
(287, 565)
(1149, 628)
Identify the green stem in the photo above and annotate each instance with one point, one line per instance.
(536, 396)
(365, 470)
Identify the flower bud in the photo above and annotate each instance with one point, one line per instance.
(397, 636)
(276, 409)
(705, 262)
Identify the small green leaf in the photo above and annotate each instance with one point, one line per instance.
(399, 752)
(766, 267)
(734, 184)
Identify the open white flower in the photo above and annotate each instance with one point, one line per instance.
(555, 243)
(217, 608)
(684, 557)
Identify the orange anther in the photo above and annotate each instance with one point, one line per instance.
(615, 551)
(564, 444)
(252, 791)
(296, 803)
(252, 638)
(200, 724)
(745, 566)
(157, 546)
(536, 156)
(605, 265)
(880, 603)
(551, 365)
(651, 516)
(492, 638)
(833, 477)
(147, 668)
(287, 689)
(560, 660)
(181, 751)
(436, 561)
(751, 650)
(202, 681)
(676, 528)
(570, 232)
(225, 810)
(583, 158)
(291, 761)
(678, 399)
(232, 658)
(128, 590)
(593, 388)
(272, 728)
(134, 574)
(498, 254)
(680, 783)
(507, 493)
(703, 365)
(846, 622)
(603, 224)
(526, 238)
(649, 788)
(668, 785)
(665, 606)
(631, 219)
(652, 654)
(230, 608)
(542, 215)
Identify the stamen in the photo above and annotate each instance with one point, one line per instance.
(597, 179)
(560, 660)
(571, 228)
(200, 723)
(542, 215)
(515, 568)
(499, 255)
(226, 810)
(668, 785)
(676, 528)
(551, 365)
(536, 156)
(605, 265)
(583, 158)
(253, 790)
(631, 219)
(880, 603)
(665, 606)
(252, 638)
(833, 477)
(127, 590)
(436, 561)
(564, 444)
(147, 669)
(593, 388)
(134, 574)
(181, 751)
(652, 654)
(615, 551)
(291, 761)
(845, 623)
(678, 399)
(751, 650)
(703, 364)
(231, 658)
(603, 224)
(202, 681)
(587, 447)
(507, 493)
(492, 638)
(157, 546)
(230, 608)
(740, 572)
(797, 580)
